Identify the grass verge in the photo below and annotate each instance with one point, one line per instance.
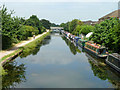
(36, 41)
(9, 55)
(26, 46)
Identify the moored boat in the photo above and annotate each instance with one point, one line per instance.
(71, 37)
(113, 60)
(76, 39)
(81, 42)
(95, 49)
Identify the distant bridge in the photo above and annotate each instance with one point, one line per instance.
(56, 29)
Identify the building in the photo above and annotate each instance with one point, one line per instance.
(113, 14)
(89, 22)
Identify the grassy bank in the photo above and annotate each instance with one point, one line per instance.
(34, 47)
(2, 71)
(29, 45)
(12, 54)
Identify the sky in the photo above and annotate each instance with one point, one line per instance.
(61, 11)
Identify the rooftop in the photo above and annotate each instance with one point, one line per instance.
(115, 13)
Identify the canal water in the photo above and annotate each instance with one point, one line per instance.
(57, 63)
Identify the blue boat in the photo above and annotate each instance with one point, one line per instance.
(76, 39)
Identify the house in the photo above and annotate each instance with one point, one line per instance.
(89, 22)
(113, 14)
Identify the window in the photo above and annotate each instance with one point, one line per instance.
(102, 51)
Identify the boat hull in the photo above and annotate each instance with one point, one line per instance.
(112, 64)
(94, 54)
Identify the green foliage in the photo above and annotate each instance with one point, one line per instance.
(98, 71)
(34, 47)
(34, 22)
(10, 26)
(107, 33)
(2, 71)
(10, 55)
(77, 27)
(84, 29)
(45, 23)
(15, 29)
(15, 74)
(27, 31)
(43, 29)
(74, 50)
(71, 26)
(54, 25)
(65, 25)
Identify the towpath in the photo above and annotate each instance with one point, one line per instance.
(11, 50)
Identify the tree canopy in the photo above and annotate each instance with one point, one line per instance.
(107, 33)
(45, 23)
(15, 29)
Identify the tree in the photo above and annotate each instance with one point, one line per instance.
(107, 33)
(27, 31)
(73, 24)
(85, 29)
(45, 23)
(54, 25)
(9, 28)
(65, 26)
(34, 22)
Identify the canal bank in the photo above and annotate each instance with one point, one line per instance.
(57, 60)
(16, 50)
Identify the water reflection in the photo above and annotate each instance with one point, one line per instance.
(98, 66)
(104, 72)
(59, 64)
(34, 49)
(72, 46)
(15, 74)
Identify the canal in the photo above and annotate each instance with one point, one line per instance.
(57, 63)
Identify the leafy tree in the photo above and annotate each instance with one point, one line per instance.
(85, 29)
(35, 22)
(54, 25)
(65, 26)
(73, 24)
(45, 23)
(9, 27)
(27, 31)
(15, 29)
(107, 33)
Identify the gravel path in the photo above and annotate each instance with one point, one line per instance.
(9, 51)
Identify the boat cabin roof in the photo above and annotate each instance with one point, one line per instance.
(83, 40)
(77, 38)
(95, 45)
(116, 55)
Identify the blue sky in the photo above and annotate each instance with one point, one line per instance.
(59, 12)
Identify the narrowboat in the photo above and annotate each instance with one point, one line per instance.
(71, 37)
(65, 33)
(76, 39)
(95, 49)
(113, 60)
(81, 42)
